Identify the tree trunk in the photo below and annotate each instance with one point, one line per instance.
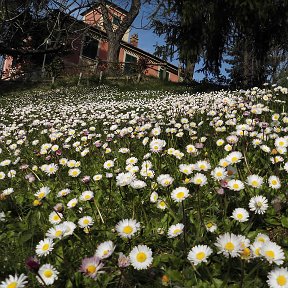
(113, 56)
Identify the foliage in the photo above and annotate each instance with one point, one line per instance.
(207, 28)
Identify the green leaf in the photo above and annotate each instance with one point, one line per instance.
(284, 221)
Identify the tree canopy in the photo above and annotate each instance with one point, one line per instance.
(207, 27)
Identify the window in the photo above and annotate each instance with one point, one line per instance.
(161, 76)
(130, 64)
(90, 47)
(116, 20)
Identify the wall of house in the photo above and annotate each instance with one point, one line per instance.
(7, 65)
(73, 57)
(94, 18)
(173, 77)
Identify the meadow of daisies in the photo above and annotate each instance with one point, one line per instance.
(101, 188)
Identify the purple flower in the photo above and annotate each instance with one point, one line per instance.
(86, 179)
(33, 264)
(199, 145)
(123, 261)
(90, 266)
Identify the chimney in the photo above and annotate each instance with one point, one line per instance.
(134, 40)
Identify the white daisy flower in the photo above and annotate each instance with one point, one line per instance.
(199, 254)
(86, 196)
(42, 193)
(262, 238)
(72, 203)
(274, 182)
(179, 194)
(219, 173)
(138, 184)
(55, 218)
(97, 177)
(105, 250)
(63, 192)
(235, 185)
(256, 247)
(234, 157)
(69, 228)
(85, 222)
(141, 257)
(44, 247)
(161, 204)
(240, 215)
(273, 253)
(199, 179)
(14, 281)
(175, 230)
(127, 228)
(211, 227)
(165, 180)
(202, 166)
(56, 232)
(74, 172)
(154, 197)
(258, 204)
(278, 278)
(48, 274)
(254, 181)
(229, 244)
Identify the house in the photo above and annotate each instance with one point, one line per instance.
(90, 49)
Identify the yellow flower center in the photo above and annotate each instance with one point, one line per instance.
(105, 252)
(41, 195)
(274, 182)
(48, 273)
(281, 143)
(229, 246)
(141, 257)
(257, 251)
(270, 254)
(12, 285)
(180, 195)
(56, 217)
(156, 147)
(36, 203)
(45, 247)
(75, 173)
(176, 231)
(166, 182)
(234, 159)
(127, 230)
(202, 166)
(198, 181)
(200, 255)
(86, 221)
(246, 252)
(58, 233)
(240, 216)
(259, 204)
(209, 225)
(87, 197)
(261, 239)
(281, 280)
(254, 183)
(90, 269)
(219, 174)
